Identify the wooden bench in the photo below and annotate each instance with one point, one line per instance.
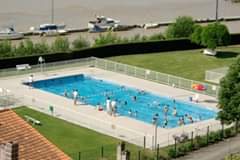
(32, 120)
(23, 66)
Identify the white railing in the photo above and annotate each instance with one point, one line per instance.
(117, 131)
(134, 71)
(88, 121)
(158, 77)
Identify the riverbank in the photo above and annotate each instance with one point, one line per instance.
(77, 13)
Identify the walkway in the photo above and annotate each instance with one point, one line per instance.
(217, 151)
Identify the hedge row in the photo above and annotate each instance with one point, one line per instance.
(112, 50)
(105, 51)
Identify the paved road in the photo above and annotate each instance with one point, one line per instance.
(215, 152)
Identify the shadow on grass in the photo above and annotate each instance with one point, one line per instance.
(227, 54)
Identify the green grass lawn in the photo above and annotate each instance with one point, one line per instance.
(72, 138)
(190, 64)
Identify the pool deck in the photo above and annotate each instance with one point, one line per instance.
(121, 127)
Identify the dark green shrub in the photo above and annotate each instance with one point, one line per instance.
(172, 153)
(189, 147)
(80, 43)
(5, 48)
(214, 35)
(202, 142)
(136, 38)
(156, 37)
(182, 150)
(41, 47)
(183, 27)
(29, 47)
(109, 38)
(229, 132)
(196, 35)
(214, 137)
(61, 44)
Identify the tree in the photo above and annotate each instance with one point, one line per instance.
(196, 35)
(80, 43)
(60, 44)
(214, 35)
(229, 95)
(183, 27)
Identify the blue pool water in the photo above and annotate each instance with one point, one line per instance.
(93, 91)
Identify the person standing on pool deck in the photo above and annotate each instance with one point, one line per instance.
(75, 97)
(108, 106)
(113, 107)
(30, 81)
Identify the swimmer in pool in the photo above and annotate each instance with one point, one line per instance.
(174, 111)
(65, 93)
(130, 112)
(134, 98)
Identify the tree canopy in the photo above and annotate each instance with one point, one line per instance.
(214, 35)
(196, 35)
(229, 95)
(183, 27)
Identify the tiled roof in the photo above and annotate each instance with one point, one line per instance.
(32, 145)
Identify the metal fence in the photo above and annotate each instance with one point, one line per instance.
(88, 121)
(158, 77)
(48, 67)
(196, 139)
(134, 71)
(215, 75)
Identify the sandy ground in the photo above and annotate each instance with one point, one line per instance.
(76, 13)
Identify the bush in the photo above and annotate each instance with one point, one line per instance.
(214, 35)
(60, 44)
(189, 147)
(5, 48)
(136, 38)
(172, 153)
(80, 43)
(109, 38)
(41, 47)
(183, 27)
(182, 150)
(156, 37)
(229, 132)
(214, 137)
(196, 36)
(29, 47)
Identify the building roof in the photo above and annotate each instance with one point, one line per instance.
(32, 145)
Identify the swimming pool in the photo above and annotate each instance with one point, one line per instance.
(93, 91)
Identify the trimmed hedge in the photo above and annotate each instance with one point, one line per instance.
(105, 51)
(112, 50)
